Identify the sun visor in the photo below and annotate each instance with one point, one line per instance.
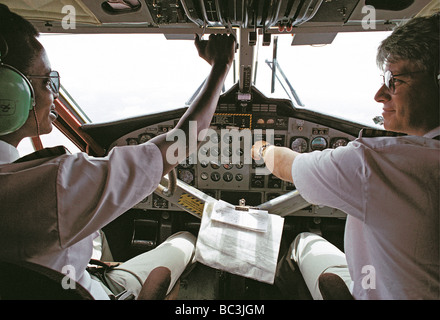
(51, 10)
(430, 9)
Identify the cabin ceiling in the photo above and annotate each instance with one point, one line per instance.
(189, 16)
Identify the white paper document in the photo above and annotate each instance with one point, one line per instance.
(252, 219)
(245, 243)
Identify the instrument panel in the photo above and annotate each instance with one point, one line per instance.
(223, 168)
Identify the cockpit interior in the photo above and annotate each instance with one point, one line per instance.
(222, 167)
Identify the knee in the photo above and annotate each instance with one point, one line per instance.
(156, 285)
(184, 235)
(302, 244)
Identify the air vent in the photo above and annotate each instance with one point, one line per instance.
(121, 6)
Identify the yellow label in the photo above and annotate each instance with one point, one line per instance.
(192, 204)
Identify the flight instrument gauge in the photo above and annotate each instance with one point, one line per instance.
(227, 176)
(339, 142)
(204, 176)
(132, 141)
(186, 176)
(144, 137)
(318, 143)
(299, 144)
(215, 176)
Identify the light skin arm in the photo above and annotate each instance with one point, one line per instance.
(219, 52)
(278, 160)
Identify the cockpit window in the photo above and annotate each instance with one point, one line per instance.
(114, 76)
(338, 79)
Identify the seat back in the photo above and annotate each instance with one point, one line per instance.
(29, 281)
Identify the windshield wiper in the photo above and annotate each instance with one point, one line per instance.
(275, 67)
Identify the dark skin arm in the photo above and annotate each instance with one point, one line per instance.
(219, 52)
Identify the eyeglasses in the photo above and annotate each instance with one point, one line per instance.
(390, 81)
(54, 80)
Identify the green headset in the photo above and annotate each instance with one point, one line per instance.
(17, 98)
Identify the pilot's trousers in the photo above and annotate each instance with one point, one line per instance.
(176, 253)
(314, 255)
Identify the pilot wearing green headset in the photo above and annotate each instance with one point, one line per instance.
(17, 96)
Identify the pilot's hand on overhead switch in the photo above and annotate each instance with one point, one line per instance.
(220, 48)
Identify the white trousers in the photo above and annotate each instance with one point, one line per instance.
(314, 255)
(176, 253)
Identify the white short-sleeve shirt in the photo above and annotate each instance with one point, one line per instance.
(389, 187)
(51, 208)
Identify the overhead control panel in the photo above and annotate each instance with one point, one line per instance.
(234, 13)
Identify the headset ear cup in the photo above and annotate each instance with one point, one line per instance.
(16, 99)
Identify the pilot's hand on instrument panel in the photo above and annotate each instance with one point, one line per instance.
(220, 48)
(258, 149)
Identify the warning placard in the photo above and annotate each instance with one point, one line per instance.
(192, 204)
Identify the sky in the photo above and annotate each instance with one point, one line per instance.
(120, 76)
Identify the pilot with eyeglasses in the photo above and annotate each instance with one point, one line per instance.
(387, 186)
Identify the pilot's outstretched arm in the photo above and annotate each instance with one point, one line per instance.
(278, 160)
(219, 52)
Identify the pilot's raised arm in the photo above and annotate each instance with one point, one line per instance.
(53, 203)
(219, 52)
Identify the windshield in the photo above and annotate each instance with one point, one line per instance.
(338, 79)
(112, 77)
